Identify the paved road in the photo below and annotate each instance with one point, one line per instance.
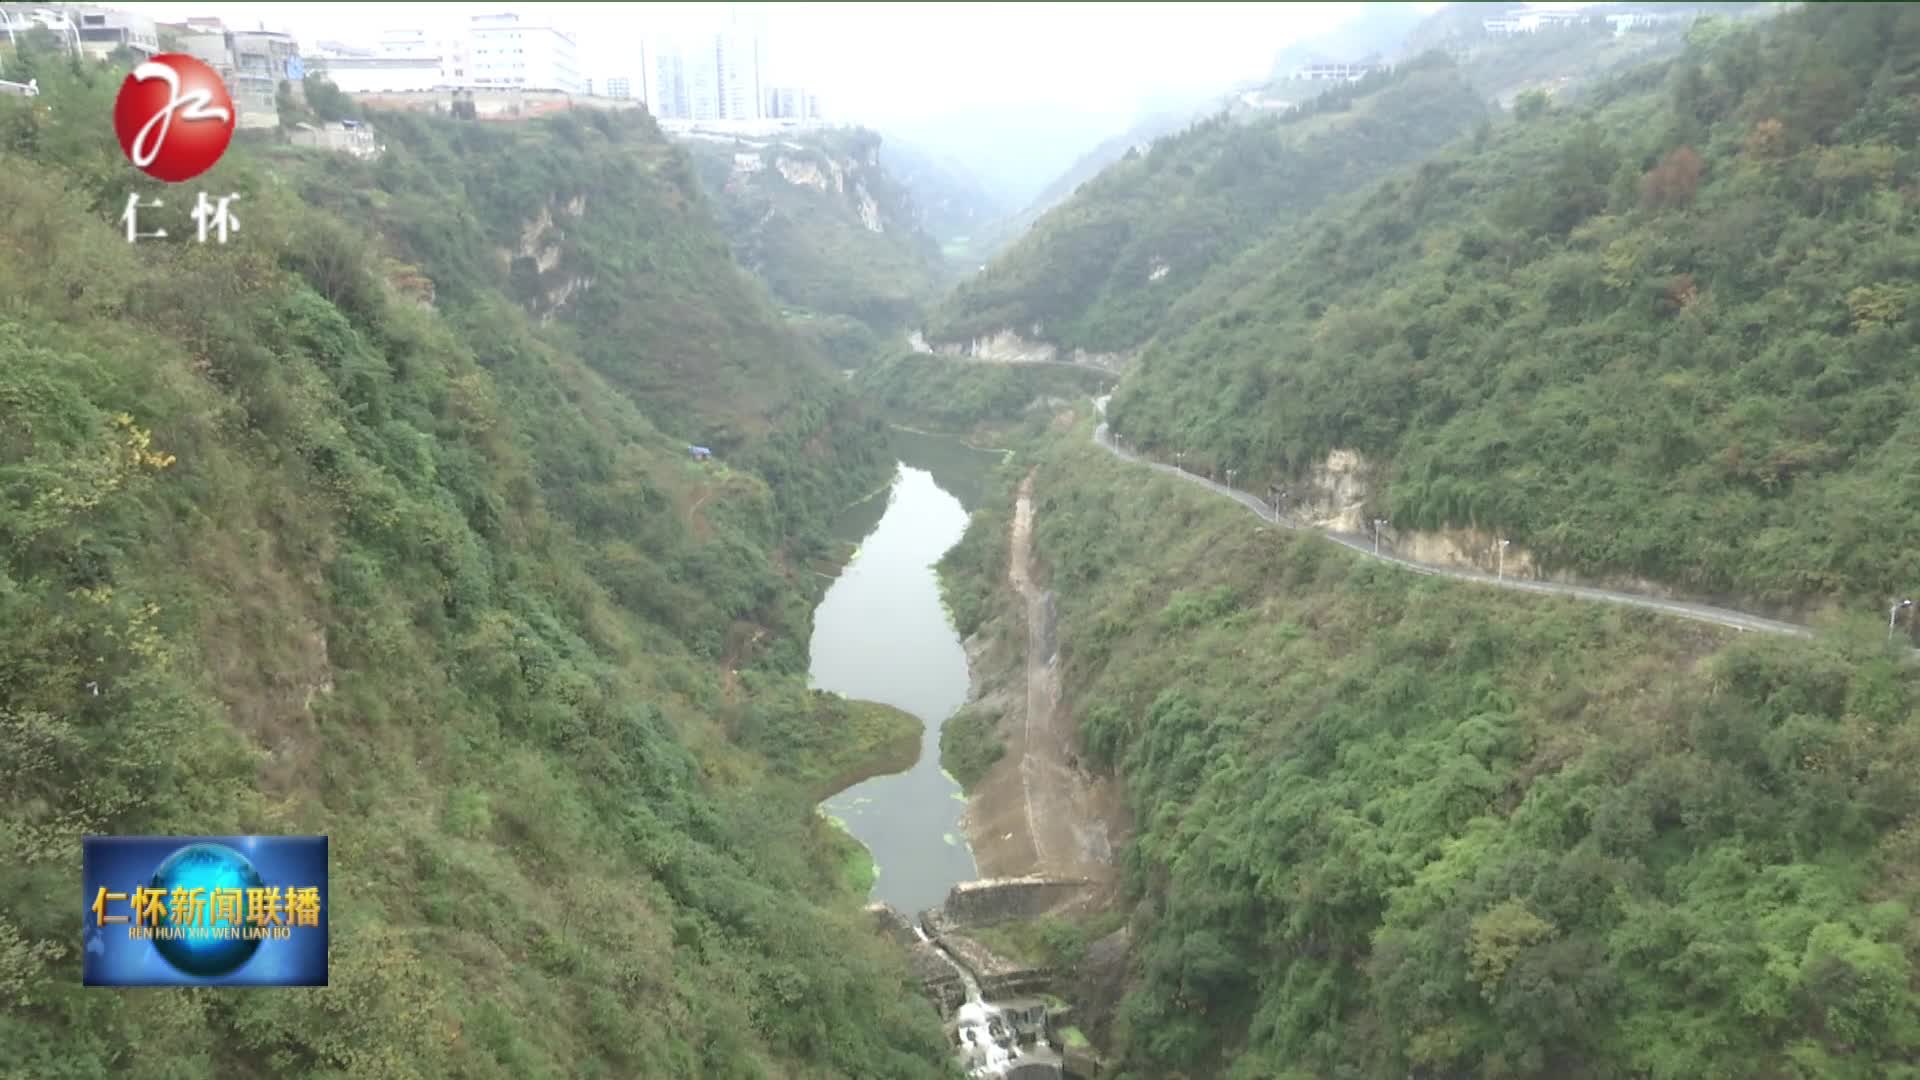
(1739, 620)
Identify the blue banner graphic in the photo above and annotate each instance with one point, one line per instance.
(204, 910)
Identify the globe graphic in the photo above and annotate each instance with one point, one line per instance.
(207, 867)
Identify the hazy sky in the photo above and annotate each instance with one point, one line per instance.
(882, 63)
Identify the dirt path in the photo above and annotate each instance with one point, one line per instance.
(1037, 810)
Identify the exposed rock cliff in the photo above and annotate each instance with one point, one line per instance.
(818, 217)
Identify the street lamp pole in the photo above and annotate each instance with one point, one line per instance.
(1502, 573)
(1894, 612)
(1180, 460)
(1377, 522)
(1229, 477)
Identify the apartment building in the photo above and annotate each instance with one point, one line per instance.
(509, 52)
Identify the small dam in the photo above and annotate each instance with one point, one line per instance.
(1001, 1020)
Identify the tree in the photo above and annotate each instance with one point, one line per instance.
(1531, 104)
(1768, 140)
(1672, 183)
(1587, 164)
(283, 104)
(328, 101)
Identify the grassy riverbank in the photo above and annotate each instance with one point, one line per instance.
(841, 743)
(880, 741)
(823, 742)
(970, 743)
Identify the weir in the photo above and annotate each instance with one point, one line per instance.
(989, 1043)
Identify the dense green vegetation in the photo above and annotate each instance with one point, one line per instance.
(1390, 825)
(367, 524)
(974, 571)
(822, 740)
(960, 396)
(1090, 272)
(1150, 126)
(970, 743)
(1056, 942)
(1565, 59)
(1671, 334)
(842, 340)
(823, 223)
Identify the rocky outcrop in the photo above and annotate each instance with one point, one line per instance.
(1339, 489)
(540, 243)
(1337, 492)
(808, 173)
(537, 242)
(888, 921)
(869, 209)
(1007, 347)
(558, 296)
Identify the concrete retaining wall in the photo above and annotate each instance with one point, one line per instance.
(996, 900)
(1023, 983)
(937, 977)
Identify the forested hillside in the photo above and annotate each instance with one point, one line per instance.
(951, 202)
(1564, 60)
(959, 397)
(1098, 271)
(825, 225)
(1671, 334)
(377, 522)
(1392, 825)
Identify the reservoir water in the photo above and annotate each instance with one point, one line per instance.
(882, 634)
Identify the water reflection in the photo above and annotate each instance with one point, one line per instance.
(881, 634)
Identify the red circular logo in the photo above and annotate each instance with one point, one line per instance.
(174, 117)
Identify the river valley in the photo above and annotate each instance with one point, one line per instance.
(882, 634)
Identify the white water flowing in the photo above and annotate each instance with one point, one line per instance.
(987, 1045)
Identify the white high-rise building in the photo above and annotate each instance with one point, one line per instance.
(721, 76)
(703, 80)
(716, 75)
(669, 99)
(737, 59)
(507, 52)
(444, 48)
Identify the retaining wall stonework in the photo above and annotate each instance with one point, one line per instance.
(997, 900)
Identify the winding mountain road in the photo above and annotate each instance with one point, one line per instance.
(1738, 620)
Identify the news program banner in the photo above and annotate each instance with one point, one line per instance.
(204, 910)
